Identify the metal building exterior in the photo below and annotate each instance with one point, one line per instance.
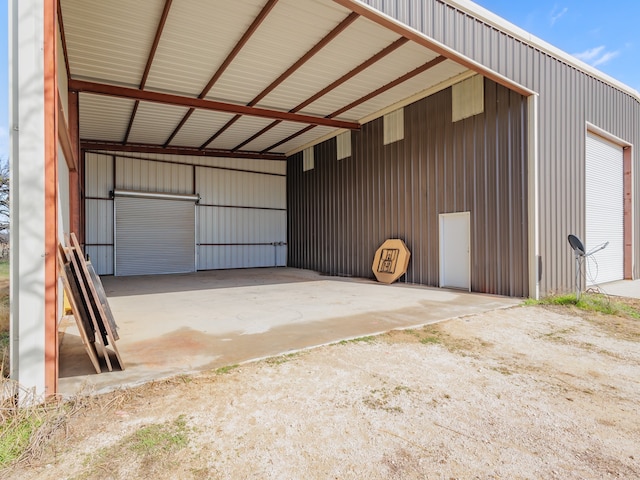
(573, 99)
(224, 135)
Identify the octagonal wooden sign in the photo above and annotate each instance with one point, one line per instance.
(391, 261)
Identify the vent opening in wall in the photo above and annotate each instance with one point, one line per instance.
(394, 126)
(467, 98)
(307, 159)
(343, 144)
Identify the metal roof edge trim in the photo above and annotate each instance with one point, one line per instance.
(591, 128)
(509, 28)
(384, 20)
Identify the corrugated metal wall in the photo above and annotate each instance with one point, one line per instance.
(341, 211)
(568, 99)
(241, 214)
(98, 233)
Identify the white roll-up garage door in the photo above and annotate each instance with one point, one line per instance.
(154, 235)
(604, 182)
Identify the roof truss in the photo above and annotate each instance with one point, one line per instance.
(201, 103)
(392, 63)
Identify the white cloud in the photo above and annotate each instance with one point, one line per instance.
(605, 58)
(590, 54)
(597, 55)
(557, 14)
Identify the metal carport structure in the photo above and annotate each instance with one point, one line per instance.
(246, 81)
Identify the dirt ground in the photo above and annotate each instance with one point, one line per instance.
(527, 392)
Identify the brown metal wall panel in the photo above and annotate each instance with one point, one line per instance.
(569, 98)
(398, 190)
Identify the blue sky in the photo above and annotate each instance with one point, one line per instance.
(603, 34)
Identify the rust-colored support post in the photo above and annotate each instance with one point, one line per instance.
(74, 175)
(628, 213)
(51, 196)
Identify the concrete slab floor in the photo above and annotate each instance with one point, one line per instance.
(622, 288)
(173, 324)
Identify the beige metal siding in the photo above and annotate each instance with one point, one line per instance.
(149, 176)
(568, 99)
(340, 212)
(98, 211)
(98, 173)
(241, 216)
(242, 210)
(101, 257)
(99, 223)
(240, 188)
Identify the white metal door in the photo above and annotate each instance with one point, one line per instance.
(604, 209)
(154, 236)
(454, 250)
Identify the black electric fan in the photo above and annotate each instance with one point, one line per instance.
(580, 256)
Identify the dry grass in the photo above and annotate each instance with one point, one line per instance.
(435, 334)
(4, 317)
(616, 316)
(26, 431)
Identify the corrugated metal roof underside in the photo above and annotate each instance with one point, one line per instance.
(104, 118)
(239, 131)
(110, 43)
(200, 126)
(154, 122)
(195, 41)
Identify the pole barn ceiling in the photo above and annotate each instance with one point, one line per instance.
(258, 78)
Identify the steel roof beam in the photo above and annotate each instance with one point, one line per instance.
(227, 61)
(147, 68)
(367, 97)
(341, 27)
(200, 103)
(97, 145)
(346, 77)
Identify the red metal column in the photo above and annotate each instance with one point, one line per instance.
(51, 196)
(628, 211)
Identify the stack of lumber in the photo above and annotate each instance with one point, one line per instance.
(91, 311)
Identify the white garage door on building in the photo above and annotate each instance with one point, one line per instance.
(604, 209)
(154, 235)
